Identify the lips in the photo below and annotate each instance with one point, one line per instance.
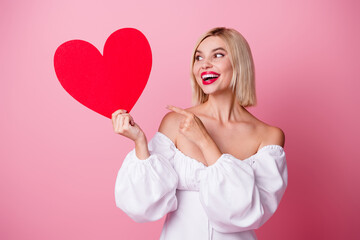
(209, 77)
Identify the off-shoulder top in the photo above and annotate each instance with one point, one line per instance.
(224, 201)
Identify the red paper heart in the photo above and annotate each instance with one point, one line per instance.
(110, 82)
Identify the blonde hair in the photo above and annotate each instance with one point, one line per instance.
(243, 79)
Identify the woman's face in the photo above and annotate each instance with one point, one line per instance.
(212, 67)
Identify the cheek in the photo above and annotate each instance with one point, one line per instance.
(228, 65)
(229, 69)
(195, 66)
(195, 70)
(229, 74)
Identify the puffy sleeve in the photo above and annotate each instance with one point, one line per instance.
(242, 195)
(145, 189)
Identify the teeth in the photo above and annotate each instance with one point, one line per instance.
(209, 76)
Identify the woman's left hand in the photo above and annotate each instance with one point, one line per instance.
(191, 126)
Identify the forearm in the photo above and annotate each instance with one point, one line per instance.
(210, 150)
(141, 148)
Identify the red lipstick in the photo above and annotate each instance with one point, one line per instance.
(209, 77)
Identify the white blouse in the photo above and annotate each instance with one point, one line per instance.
(224, 201)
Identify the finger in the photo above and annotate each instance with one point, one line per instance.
(121, 123)
(117, 121)
(182, 128)
(115, 115)
(118, 112)
(178, 110)
(184, 125)
(126, 122)
(132, 122)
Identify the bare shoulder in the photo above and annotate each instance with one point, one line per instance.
(272, 135)
(170, 124)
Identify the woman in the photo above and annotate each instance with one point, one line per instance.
(214, 169)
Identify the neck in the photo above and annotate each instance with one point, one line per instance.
(224, 107)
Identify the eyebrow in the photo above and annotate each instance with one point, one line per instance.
(214, 50)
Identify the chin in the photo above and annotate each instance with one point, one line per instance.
(215, 91)
(209, 92)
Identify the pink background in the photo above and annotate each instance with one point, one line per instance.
(59, 160)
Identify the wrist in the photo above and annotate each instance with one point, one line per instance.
(205, 142)
(141, 139)
(210, 150)
(141, 148)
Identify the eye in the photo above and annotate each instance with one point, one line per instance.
(217, 55)
(198, 58)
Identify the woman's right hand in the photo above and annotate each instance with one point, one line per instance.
(125, 125)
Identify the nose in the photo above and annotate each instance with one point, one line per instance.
(206, 63)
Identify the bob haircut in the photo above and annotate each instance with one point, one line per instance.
(243, 79)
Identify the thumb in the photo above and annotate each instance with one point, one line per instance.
(132, 123)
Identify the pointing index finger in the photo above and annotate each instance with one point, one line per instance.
(178, 110)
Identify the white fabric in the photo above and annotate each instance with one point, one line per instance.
(225, 201)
